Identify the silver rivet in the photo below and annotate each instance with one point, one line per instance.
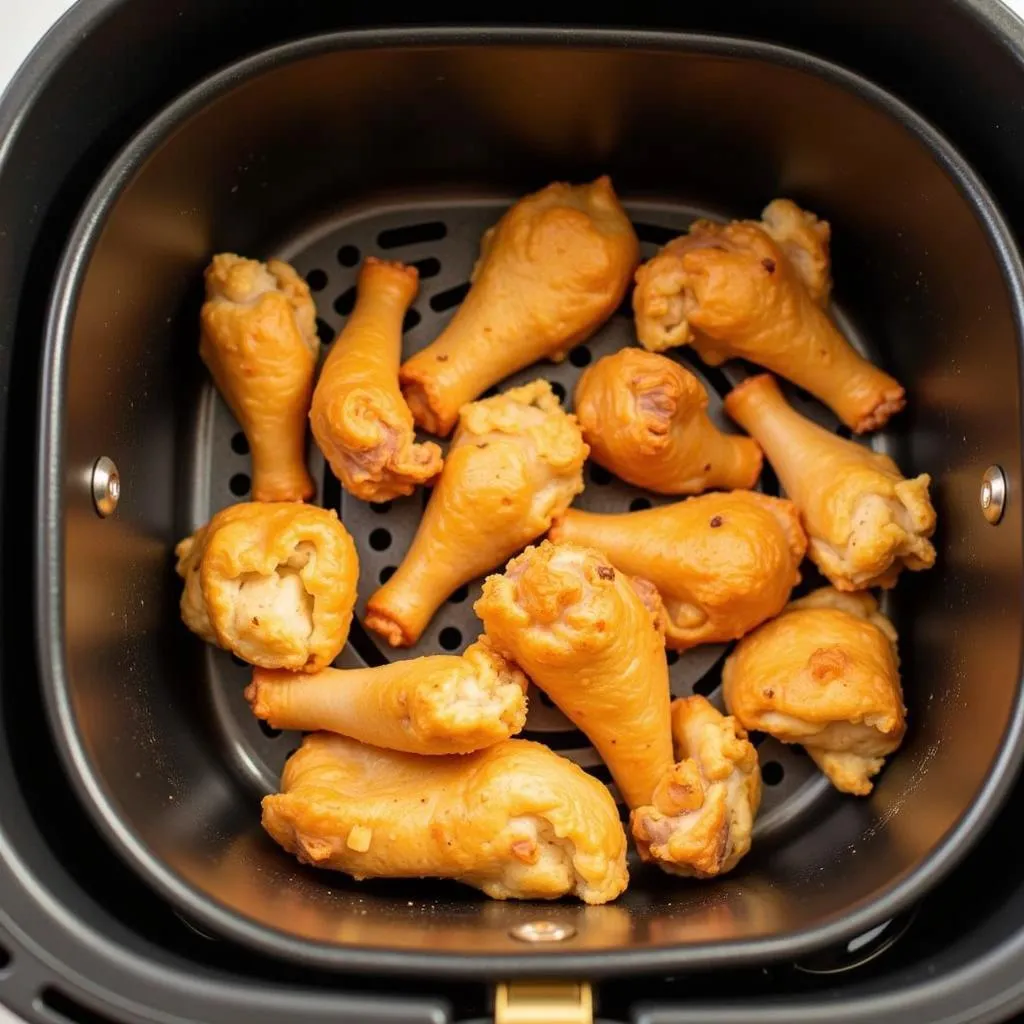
(106, 486)
(542, 931)
(992, 496)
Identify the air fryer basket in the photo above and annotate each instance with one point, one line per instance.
(339, 147)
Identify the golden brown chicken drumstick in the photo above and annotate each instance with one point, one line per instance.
(515, 463)
(274, 582)
(585, 636)
(723, 563)
(644, 418)
(515, 820)
(864, 521)
(550, 272)
(825, 674)
(435, 705)
(702, 814)
(359, 417)
(731, 291)
(258, 339)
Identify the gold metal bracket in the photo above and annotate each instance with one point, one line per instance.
(543, 1002)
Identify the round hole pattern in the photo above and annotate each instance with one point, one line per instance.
(268, 730)
(240, 484)
(639, 504)
(772, 773)
(380, 539)
(443, 243)
(239, 443)
(450, 638)
(317, 280)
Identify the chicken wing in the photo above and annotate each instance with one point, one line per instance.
(274, 583)
(702, 814)
(824, 674)
(864, 521)
(359, 417)
(722, 563)
(515, 463)
(731, 291)
(515, 820)
(644, 418)
(435, 705)
(552, 270)
(590, 638)
(258, 340)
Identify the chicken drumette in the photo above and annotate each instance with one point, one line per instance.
(258, 339)
(515, 463)
(722, 563)
(550, 272)
(590, 638)
(514, 820)
(434, 705)
(273, 582)
(702, 815)
(644, 418)
(359, 417)
(864, 521)
(734, 290)
(824, 674)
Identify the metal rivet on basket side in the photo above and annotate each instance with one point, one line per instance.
(542, 931)
(106, 486)
(992, 496)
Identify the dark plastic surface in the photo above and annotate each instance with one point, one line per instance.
(272, 152)
(70, 917)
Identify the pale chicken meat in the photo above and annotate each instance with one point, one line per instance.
(550, 272)
(258, 340)
(441, 704)
(722, 563)
(591, 639)
(515, 463)
(272, 582)
(645, 419)
(701, 818)
(824, 674)
(865, 522)
(515, 820)
(731, 291)
(359, 418)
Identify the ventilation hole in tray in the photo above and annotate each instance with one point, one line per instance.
(412, 234)
(757, 738)
(563, 739)
(706, 686)
(386, 573)
(639, 504)
(558, 390)
(345, 302)
(671, 657)
(239, 443)
(449, 298)
(241, 663)
(268, 730)
(772, 773)
(599, 475)
(65, 1008)
(580, 356)
(459, 595)
(655, 234)
(5, 958)
(324, 331)
(381, 507)
(450, 638)
(348, 255)
(240, 484)
(411, 319)
(430, 267)
(317, 280)
(380, 539)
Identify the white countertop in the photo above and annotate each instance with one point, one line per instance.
(22, 25)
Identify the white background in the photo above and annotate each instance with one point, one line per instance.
(22, 25)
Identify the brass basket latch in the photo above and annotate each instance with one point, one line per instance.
(544, 1002)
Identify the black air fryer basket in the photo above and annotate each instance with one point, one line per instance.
(329, 146)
